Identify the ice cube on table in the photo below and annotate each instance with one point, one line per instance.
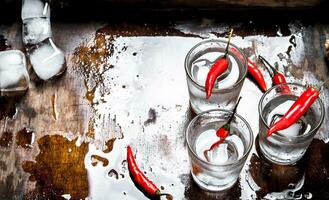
(35, 8)
(11, 77)
(13, 72)
(47, 59)
(35, 30)
(9, 58)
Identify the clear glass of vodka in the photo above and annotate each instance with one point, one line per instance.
(289, 145)
(227, 87)
(218, 169)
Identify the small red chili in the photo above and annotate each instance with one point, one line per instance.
(224, 131)
(252, 69)
(218, 68)
(296, 111)
(148, 186)
(257, 75)
(277, 77)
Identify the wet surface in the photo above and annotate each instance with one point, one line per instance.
(125, 84)
(58, 169)
(25, 138)
(192, 191)
(6, 139)
(271, 177)
(8, 108)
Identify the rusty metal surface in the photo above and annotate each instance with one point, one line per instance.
(126, 84)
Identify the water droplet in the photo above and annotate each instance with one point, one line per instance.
(308, 195)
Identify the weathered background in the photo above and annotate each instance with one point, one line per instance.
(125, 84)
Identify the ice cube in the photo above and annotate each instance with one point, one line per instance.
(218, 155)
(296, 129)
(11, 77)
(47, 60)
(12, 58)
(204, 141)
(238, 144)
(13, 72)
(35, 8)
(200, 69)
(9, 58)
(293, 130)
(36, 30)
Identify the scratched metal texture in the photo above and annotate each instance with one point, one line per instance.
(126, 84)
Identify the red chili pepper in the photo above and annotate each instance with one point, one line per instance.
(224, 131)
(296, 111)
(257, 74)
(218, 68)
(237, 53)
(148, 186)
(277, 77)
(253, 70)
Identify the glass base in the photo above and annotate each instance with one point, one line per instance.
(275, 159)
(212, 188)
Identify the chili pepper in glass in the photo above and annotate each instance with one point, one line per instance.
(296, 111)
(139, 177)
(227, 86)
(225, 161)
(218, 68)
(254, 72)
(291, 137)
(223, 132)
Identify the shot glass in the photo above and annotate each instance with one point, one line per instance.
(287, 146)
(219, 169)
(228, 85)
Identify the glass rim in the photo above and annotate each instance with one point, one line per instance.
(245, 154)
(215, 90)
(280, 136)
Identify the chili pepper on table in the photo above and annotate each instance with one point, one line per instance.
(277, 77)
(257, 75)
(252, 70)
(296, 111)
(218, 68)
(139, 177)
(224, 131)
